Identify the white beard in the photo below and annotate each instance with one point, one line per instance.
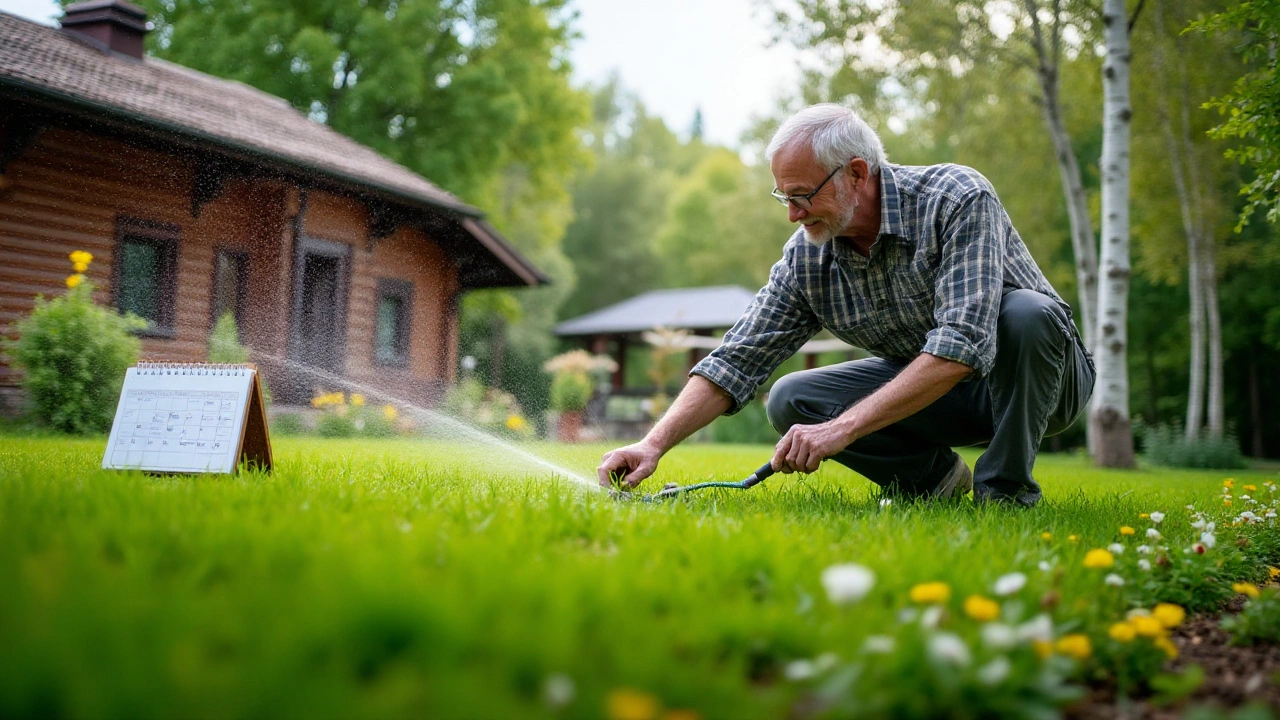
(823, 231)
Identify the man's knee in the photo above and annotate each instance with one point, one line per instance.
(780, 407)
(1028, 318)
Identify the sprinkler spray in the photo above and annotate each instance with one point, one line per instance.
(672, 489)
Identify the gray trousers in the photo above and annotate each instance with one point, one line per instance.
(1042, 380)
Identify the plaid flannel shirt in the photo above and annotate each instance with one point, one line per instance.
(945, 255)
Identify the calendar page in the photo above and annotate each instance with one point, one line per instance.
(179, 418)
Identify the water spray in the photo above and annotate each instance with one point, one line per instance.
(671, 489)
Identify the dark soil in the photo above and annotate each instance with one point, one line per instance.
(1233, 676)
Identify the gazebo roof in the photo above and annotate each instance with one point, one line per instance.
(701, 308)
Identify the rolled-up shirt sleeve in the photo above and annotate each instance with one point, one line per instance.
(969, 285)
(773, 327)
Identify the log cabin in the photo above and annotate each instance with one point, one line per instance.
(199, 196)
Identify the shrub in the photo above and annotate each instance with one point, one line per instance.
(73, 355)
(748, 425)
(570, 392)
(336, 425)
(491, 409)
(288, 424)
(1258, 622)
(1167, 445)
(225, 347)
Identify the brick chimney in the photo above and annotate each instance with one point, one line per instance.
(115, 25)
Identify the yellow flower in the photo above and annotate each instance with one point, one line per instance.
(1073, 538)
(1246, 589)
(934, 592)
(1098, 558)
(1122, 632)
(390, 413)
(981, 609)
(1046, 536)
(80, 257)
(1167, 646)
(515, 423)
(1273, 572)
(1226, 502)
(1042, 648)
(1229, 482)
(1169, 615)
(626, 704)
(74, 280)
(1147, 626)
(1126, 530)
(357, 399)
(1144, 516)
(1250, 488)
(1074, 645)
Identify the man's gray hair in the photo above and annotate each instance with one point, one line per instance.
(835, 133)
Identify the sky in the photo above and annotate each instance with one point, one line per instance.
(679, 56)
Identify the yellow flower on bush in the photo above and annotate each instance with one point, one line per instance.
(1126, 530)
(1169, 615)
(515, 423)
(981, 609)
(390, 413)
(1246, 589)
(333, 398)
(80, 260)
(1099, 558)
(627, 704)
(74, 280)
(1167, 646)
(1273, 572)
(1147, 626)
(1075, 646)
(934, 592)
(1122, 632)
(357, 399)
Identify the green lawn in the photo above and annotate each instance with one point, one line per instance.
(386, 578)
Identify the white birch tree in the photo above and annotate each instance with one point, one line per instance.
(1109, 414)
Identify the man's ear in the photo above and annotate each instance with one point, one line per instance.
(859, 172)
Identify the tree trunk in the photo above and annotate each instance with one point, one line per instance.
(1109, 415)
(1209, 279)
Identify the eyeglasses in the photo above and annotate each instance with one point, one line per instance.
(804, 202)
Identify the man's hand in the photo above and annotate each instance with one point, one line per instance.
(804, 447)
(631, 464)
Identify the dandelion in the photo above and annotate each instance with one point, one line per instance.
(933, 592)
(1153, 533)
(558, 690)
(1246, 589)
(981, 609)
(998, 636)
(627, 704)
(994, 672)
(390, 413)
(73, 281)
(1156, 517)
(1227, 503)
(879, 644)
(1229, 483)
(1144, 564)
(1073, 538)
(1169, 615)
(1251, 488)
(357, 399)
(1046, 536)
(1165, 644)
(1114, 580)
(1144, 516)
(1116, 548)
(847, 583)
(1273, 572)
(1148, 626)
(515, 423)
(1098, 558)
(1122, 632)
(1009, 584)
(1126, 530)
(1075, 646)
(948, 648)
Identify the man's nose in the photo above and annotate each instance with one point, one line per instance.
(795, 214)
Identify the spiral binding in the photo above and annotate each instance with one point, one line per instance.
(147, 367)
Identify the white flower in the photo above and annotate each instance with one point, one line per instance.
(1144, 564)
(1156, 517)
(847, 583)
(1249, 516)
(1245, 497)
(906, 615)
(1208, 540)
(1039, 628)
(1116, 548)
(1210, 527)
(994, 672)
(931, 616)
(1198, 525)
(558, 690)
(798, 670)
(886, 502)
(1143, 549)
(1191, 507)
(998, 636)
(948, 648)
(1270, 514)
(1045, 566)
(1153, 533)
(1137, 612)
(1010, 584)
(1114, 580)
(879, 644)
(825, 661)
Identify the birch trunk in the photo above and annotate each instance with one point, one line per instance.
(1109, 416)
(1209, 279)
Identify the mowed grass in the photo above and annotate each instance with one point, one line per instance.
(389, 578)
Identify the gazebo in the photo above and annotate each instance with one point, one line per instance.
(703, 312)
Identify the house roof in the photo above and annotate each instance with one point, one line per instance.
(701, 308)
(73, 70)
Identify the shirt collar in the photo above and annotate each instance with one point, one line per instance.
(890, 204)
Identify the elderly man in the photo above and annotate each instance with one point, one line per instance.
(922, 267)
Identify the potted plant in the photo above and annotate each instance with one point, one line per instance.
(572, 385)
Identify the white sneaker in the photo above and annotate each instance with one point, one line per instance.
(957, 483)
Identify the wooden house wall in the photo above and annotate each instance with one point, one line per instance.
(66, 191)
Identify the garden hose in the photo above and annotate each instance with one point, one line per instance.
(671, 489)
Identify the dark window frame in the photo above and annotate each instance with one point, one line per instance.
(401, 290)
(166, 238)
(242, 286)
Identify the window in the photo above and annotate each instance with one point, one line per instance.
(146, 265)
(391, 331)
(229, 270)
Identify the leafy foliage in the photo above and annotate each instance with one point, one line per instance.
(73, 355)
(1258, 622)
(1168, 446)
